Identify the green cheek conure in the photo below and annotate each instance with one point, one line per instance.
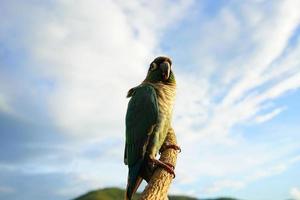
(148, 120)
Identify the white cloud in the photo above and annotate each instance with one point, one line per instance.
(246, 84)
(98, 50)
(261, 68)
(223, 184)
(4, 106)
(295, 193)
(268, 116)
(6, 189)
(260, 173)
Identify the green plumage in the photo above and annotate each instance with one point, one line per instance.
(141, 118)
(148, 119)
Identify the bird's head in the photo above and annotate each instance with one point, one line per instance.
(160, 71)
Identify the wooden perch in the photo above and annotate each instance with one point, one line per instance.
(158, 186)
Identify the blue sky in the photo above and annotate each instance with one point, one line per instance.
(65, 68)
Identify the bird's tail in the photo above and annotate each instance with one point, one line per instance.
(131, 189)
(134, 180)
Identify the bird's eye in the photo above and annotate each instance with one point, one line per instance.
(153, 66)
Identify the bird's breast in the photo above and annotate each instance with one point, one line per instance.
(166, 96)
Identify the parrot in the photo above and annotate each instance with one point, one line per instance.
(148, 119)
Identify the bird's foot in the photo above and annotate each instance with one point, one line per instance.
(166, 166)
(170, 146)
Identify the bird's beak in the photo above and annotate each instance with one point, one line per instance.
(166, 68)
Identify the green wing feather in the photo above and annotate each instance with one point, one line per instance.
(141, 117)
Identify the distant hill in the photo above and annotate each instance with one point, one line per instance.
(118, 194)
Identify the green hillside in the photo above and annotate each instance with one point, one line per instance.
(118, 194)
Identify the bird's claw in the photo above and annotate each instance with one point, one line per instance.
(166, 166)
(170, 146)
